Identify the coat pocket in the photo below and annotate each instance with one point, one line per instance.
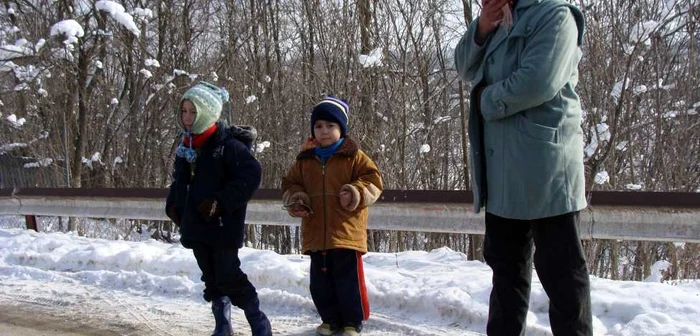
(537, 131)
(534, 174)
(346, 225)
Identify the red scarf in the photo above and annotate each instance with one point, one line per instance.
(199, 139)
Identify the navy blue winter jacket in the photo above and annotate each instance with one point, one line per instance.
(226, 170)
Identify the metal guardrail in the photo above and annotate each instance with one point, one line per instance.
(612, 215)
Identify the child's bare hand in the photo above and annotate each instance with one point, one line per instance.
(345, 198)
(299, 212)
(299, 209)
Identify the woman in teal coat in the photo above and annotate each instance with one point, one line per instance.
(521, 57)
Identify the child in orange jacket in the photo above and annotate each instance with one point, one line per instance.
(330, 187)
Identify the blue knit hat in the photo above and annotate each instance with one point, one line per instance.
(208, 100)
(331, 109)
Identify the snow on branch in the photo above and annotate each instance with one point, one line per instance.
(9, 52)
(70, 29)
(11, 146)
(40, 163)
(374, 59)
(118, 13)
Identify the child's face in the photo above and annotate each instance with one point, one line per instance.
(188, 114)
(326, 132)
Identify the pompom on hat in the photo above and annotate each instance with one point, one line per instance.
(334, 110)
(208, 100)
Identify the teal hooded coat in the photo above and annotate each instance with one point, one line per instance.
(525, 132)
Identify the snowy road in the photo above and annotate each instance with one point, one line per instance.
(66, 307)
(51, 282)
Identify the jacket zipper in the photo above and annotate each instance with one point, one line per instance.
(187, 195)
(325, 223)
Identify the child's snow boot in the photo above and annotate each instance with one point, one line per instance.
(259, 324)
(352, 330)
(221, 308)
(327, 329)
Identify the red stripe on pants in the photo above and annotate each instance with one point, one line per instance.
(363, 288)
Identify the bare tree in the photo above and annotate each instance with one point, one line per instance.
(101, 108)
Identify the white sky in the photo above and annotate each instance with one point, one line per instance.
(440, 292)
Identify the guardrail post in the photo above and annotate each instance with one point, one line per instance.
(31, 222)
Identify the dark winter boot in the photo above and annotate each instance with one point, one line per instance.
(221, 308)
(259, 324)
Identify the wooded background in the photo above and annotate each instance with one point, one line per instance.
(99, 112)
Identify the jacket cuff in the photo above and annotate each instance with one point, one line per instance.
(356, 198)
(491, 106)
(474, 35)
(370, 194)
(290, 197)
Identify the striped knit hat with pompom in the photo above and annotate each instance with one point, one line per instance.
(334, 110)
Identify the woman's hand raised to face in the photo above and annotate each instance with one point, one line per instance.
(491, 15)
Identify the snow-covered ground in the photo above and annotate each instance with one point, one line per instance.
(154, 287)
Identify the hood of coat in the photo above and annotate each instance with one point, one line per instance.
(348, 148)
(578, 16)
(243, 133)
